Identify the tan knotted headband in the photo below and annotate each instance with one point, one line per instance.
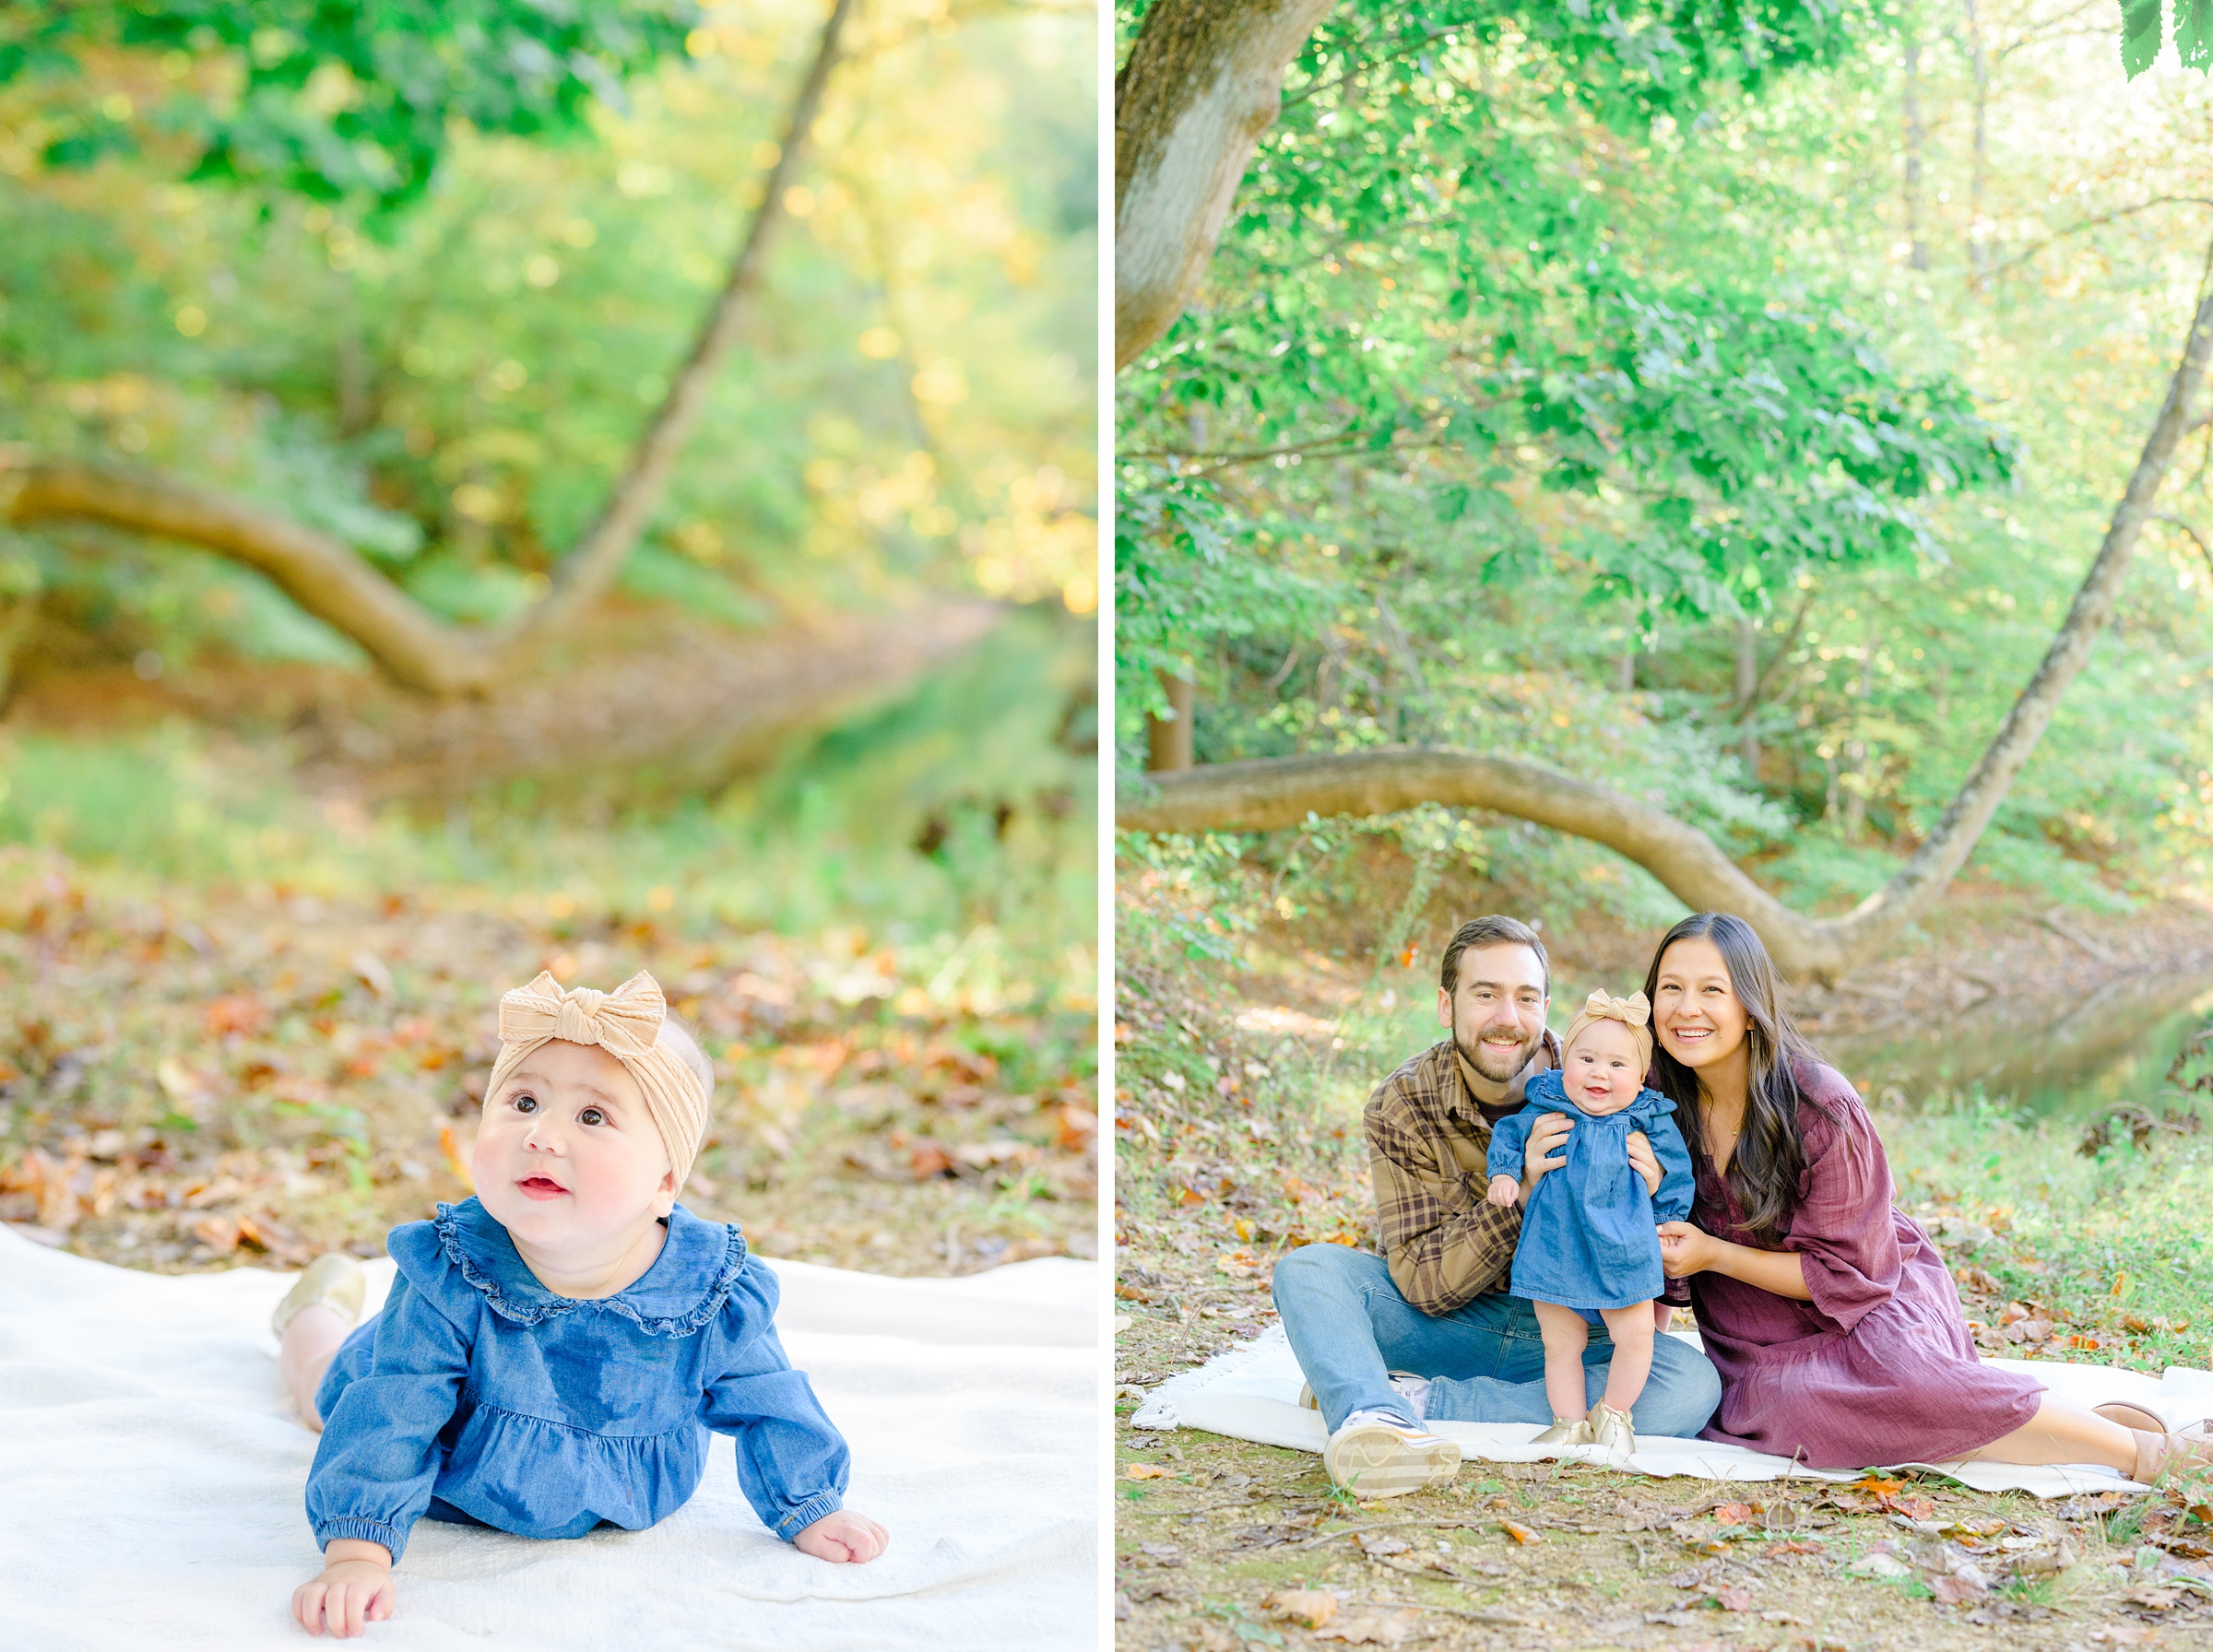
(1632, 1012)
(626, 1023)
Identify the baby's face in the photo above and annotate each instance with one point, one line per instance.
(567, 1158)
(1603, 1069)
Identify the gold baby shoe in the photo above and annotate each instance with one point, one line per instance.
(333, 1279)
(1564, 1432)
(1613, 1432)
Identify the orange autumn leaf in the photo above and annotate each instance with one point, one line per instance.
(1520, 1534)
(1146, 1471)
(455, 1161)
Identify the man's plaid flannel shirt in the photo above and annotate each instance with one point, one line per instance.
(1445, 1244)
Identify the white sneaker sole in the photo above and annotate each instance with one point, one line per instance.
(1377, 1460)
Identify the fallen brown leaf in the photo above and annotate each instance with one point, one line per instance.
(1146, 1471)
(1312, 1607)
(1381, 1629)
(1958, 1589)
(1520, 1534)
(1733, 1599)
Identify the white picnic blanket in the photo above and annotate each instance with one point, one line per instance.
(151, 1469)
(1251, 1393)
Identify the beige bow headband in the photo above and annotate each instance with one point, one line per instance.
(1631, 1012)
(626, 1023)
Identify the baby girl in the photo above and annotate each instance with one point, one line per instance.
(1590, 1251)
(555, 1350)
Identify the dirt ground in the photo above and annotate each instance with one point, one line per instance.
(1212, 1533)
(196, 1081)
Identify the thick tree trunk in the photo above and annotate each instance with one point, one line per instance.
(329, 580)
(1203, 82)
(1258, 797)
(1168, 738)
(591, 569)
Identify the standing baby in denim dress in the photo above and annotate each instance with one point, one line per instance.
(555, 1351)
(1589, 1249)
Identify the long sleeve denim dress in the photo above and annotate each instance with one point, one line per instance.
(1588, 1237)
(478, 1395)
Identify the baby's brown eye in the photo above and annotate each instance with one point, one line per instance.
(592, 1116)
(526, 1104)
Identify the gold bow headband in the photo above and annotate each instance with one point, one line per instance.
(1632, 1012)
(626, 1023)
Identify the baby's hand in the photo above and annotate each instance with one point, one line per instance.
(1505, 1190)
(843, 1536)
(354, 1590)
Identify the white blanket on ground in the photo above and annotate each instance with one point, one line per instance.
(1251, 1393)
(152, 1466)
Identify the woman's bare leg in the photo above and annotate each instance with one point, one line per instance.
(1632, 1331)
(311, 1342)
(2060, 1433)
(1566, 1335)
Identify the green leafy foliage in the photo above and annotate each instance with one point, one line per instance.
(1543, 396)
(356, 99)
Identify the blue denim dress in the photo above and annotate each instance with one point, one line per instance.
(478, 1395)
(1587, 1238)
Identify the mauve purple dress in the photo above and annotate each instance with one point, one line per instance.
(1878, 1367)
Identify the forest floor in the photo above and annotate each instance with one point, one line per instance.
(191, 1078)
(1228, 1157)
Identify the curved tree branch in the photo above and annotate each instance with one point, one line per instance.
(1278, 792)
(326, 577)
(329, 580)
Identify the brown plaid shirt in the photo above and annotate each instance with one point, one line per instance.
(1428, 1138)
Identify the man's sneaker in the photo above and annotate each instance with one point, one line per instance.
(1413, 1390)
(1376, 1453)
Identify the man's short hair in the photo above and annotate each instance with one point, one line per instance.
(1496, 931)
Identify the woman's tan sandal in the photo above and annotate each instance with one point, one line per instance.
(334, 1280)
(2159, 1454)
(2133, 1418)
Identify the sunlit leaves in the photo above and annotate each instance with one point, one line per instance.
(346, 100)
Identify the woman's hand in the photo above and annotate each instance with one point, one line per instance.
(1685, 1250)
(1504, 1191)
(845, 1538)
(354, 1590)
(1547, 1137)
(1645, 1162)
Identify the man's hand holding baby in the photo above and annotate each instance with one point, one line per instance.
(844, 1538)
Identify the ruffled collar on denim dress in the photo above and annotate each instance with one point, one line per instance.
(683, 1290)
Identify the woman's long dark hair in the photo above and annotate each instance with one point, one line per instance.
(1769, 1161)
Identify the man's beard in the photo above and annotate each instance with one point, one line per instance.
(1491, 1064)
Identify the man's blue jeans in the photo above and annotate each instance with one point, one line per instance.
(1351, 1328)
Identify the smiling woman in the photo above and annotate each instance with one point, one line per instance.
(1828, 1312)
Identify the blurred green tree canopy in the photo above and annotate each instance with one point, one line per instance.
(334, 101)
(341, 265)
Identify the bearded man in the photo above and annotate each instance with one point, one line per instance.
(1426, 1332)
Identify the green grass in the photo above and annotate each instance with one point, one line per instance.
(2116, 1242)
(1003, 897)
